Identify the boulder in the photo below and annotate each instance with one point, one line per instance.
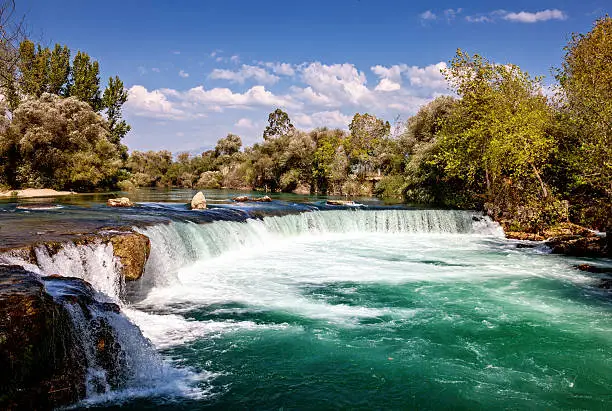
(198, 202)
(241, 199)
(119, 202)
(264, 199)
(133, 251)
(43, 361)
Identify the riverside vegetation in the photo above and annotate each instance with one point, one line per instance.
(530, 159)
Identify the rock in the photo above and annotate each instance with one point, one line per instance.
(594, 269)
(42, 364)
(119, 202)
(44, 324)
(519, 235)
(349, 203)
(244, 199)
(198, 202)
(578, 246)
(133, 251)
(264, 199)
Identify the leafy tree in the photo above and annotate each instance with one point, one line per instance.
(115, 95)
(59, 70)
(586, 80)
(366, 133)
(228, 145)
(279, 124)
(60, 143)
(85, 80)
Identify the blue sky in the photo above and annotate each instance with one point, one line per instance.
(197, 70)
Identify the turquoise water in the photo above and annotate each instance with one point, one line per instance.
(391, 311)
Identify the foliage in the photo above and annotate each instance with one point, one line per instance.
(114, 97)
(279, 124)
(60, 143)
(586, 100)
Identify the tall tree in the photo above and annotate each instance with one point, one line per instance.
(115, 95)
(586, 81)
(11, 34)
(59, 70)
(279, 124)
(85, 80)
(366, 132)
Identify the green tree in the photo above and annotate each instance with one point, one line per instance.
(228, 145)
(113, 99)
(366, 133)
(59, 70)
(85, 80)
(586, 80)
(279, 124)
(61, 143)
(496, 139)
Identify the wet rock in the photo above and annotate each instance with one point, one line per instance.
(198, 202)
(264, 199)
(133, 251)
(119, 202)
(244, 199)
(349, 203)
(594, 269)
(42, 364)
(52, 331)
(578, 245)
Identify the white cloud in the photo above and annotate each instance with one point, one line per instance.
(527, 17)
(155, 70)
(282, 69)
(387, 85)
(340, 83)
(152, 104)
(429, 77)
(235, 59)
(428, 15)
(332, 119)
(183, 74)
(520, 17)
(245, 123)
(245, 73)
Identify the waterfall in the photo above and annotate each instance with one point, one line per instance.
(178, 243)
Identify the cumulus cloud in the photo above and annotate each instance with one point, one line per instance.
(183, 74)
(450, 14)
(282, 69)
(246, 72)
(152, 104)
(387, 85)
(340, 83)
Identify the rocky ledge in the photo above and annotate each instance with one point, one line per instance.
(569, 239)
(131, 249)
(43, 359)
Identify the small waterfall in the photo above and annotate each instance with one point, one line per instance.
(93, 262)
(116, 355)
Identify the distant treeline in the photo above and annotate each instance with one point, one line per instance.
(528, 155)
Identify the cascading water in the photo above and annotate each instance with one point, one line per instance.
(179, 243)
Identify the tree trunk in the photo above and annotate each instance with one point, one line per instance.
(542, 185)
